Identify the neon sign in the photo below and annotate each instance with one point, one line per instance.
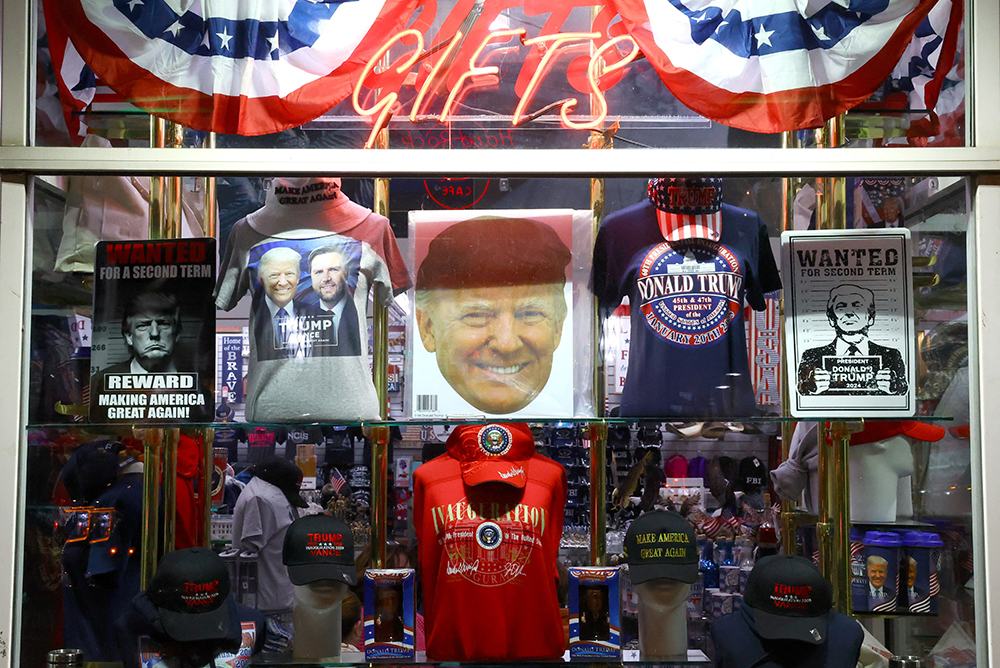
(458, 65)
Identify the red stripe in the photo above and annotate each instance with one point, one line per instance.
(223, 113)
(946, 58)
(770, 112)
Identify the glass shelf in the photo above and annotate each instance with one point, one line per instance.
(695, 657)
(733, 423)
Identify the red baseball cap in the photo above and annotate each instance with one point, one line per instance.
(880, 431)
(493, 452)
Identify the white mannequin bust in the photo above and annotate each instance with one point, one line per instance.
(880, 475)
(662, 619)
(316, 619)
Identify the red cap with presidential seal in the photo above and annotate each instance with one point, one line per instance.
(493, 452)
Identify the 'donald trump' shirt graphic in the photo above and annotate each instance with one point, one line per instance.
(686, 300)
(690, 292)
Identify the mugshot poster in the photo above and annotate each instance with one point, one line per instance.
(492, 328)
(153, 354)
(304, 302)
(850, 332)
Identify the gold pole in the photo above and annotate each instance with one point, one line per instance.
(380, 312)
(153, 438)
(175, 188)
(150, 504)
(210, 225)
(157, 184)
(172, 436)
(788, 508)
(833, 529)
(598, 430)
(210, 206)
(598, 493)
(208, 468)
(379, 437)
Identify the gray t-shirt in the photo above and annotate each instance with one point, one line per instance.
(308, 326)
(260, 520)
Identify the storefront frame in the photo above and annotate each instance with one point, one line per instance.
(980, 161)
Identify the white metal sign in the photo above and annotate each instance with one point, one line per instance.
(849, 332)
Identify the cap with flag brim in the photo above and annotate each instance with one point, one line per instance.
(319, 547)
(791, 599)
(493, 453)
(661, 544)
(190, 590)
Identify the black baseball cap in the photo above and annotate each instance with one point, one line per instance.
(661, 544)
(283, 474)
(790, 597)
(190, 590)
(319, 547)
(752, 475)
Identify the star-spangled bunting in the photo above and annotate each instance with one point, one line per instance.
(772, 66)
(236, 68)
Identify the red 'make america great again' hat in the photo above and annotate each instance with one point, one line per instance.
(493, 452)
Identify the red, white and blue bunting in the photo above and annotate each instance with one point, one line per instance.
(772, 65)
(246, 67)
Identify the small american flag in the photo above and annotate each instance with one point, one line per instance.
(337, 481)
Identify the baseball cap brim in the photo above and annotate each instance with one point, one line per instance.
(513, 473)
(925, 432)
(639, 573)
(295, 499)
(304, 574)
(783, 627)
(191, 627)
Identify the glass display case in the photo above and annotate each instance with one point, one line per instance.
(495, 368)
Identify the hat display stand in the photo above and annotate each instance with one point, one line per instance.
(880, 480)
(316, 619)
(662, 619)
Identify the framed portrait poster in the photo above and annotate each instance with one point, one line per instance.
(495, 324)
(849, 328)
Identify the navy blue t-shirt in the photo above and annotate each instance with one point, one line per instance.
(688, 350)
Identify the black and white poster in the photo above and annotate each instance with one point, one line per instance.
(849, 331)
(153, 355)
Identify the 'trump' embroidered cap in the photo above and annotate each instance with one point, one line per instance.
(790, 597)
(319, 547)
(189, 590)
(661, 544)
(493, 452)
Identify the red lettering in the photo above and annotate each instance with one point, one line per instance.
(118, 253)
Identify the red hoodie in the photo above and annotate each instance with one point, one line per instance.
(488, 552)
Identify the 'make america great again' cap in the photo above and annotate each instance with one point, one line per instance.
(493, 453)
(189, 590)
(661, 544)
(494, 252)
(319, 547)
(790, 597)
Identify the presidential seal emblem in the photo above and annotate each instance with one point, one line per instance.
(489, 535)
(495, 440)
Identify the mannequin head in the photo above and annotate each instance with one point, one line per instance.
(320, 595)
(664, 592)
